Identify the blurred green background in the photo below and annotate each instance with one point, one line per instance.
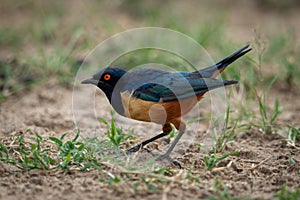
(45, 40)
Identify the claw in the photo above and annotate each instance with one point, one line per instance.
(134, 149)
(166, 157)
(144, 143)
(174, 162)
(163, 156)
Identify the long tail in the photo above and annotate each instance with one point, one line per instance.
(214, 70)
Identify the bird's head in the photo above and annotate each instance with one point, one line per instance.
(106, 79)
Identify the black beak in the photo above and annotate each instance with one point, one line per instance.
(90, 81)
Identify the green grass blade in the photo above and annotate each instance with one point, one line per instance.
(76, 136)
(57, 141)
(103, 121)
(5, 149)
(276, 111)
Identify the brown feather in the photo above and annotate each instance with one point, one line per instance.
(158, 112)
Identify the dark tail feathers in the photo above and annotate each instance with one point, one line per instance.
(230, 82)
(214, 70)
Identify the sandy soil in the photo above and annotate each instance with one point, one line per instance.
(259, 170)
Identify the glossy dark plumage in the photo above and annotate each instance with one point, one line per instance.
(159, 96)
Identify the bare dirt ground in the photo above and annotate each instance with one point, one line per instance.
(259, 170)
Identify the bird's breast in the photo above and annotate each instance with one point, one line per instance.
(158, 112)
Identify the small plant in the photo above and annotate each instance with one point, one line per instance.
(293, 135)
(291, 159)
(4, 149)
(212, 159)
(72, 152)
(111, 179)
(115, 134)
(31, 154)
(227, 135)
(267, 117)
(288, 194)
(28, 154)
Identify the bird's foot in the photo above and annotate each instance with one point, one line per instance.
(171, 160)
(165, 157)
(134, 149)
(158, 156)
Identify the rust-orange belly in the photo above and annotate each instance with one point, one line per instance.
(158, 112)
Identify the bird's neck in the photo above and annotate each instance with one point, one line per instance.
(108, 92)
(114, 99)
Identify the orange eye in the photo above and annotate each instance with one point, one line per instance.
(106, 77)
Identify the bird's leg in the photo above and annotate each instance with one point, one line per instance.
(167, 128)
(170, 149)
(181, 127)
(142, 144)
(166, 155)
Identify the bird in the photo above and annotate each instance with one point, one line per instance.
(162, 97)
